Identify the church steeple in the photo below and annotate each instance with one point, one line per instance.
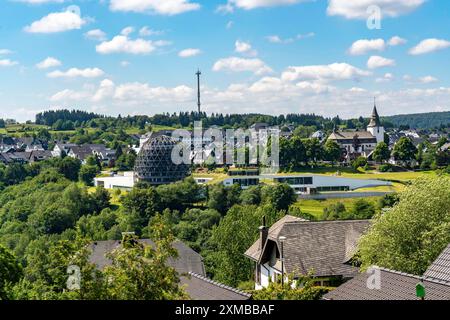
(375, 119)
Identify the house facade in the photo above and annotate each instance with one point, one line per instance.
(296, 247)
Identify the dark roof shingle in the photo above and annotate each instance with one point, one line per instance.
(323, 247)
(199, 287)
(440, 268)
(394, 285)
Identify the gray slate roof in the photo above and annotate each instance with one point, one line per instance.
(188, 260)
(189, 266)
(349, 135)
(394, 286)
(324, 246)
(440, 268)
(199, 287)
(254, 252)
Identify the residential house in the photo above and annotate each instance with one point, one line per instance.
(29, 144)
(395, 285)
(105, 155)
(80, 152)
(324, 249)
(188, 264)
(319, 135)
(40, 155)
(61, 148)
(15, 157)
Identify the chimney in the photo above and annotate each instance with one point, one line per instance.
(263, 233)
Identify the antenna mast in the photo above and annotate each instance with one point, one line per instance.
(198, 90)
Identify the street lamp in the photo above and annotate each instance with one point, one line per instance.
(282, 239)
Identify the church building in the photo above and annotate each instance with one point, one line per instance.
(355, 144)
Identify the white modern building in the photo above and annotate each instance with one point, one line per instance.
(308, 183)
(124, 181)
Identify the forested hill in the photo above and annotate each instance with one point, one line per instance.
(421, 120)
(51, 117)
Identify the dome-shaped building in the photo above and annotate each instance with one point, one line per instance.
(154, 162)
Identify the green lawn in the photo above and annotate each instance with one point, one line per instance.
(315, 207)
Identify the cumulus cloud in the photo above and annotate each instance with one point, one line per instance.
(364, 46)
(147, 32)
(358, 9)
(375, 62)
(96, 34)
(236, 64)
(166, 7)
(253, 4)
(40, 1)
(7, 63)
(49, 62)
(5, 52)
(429, 45)
(278, 39)
(190, 52)
(396, 41)
(106, 89)
(75, 72)
(57, 22)
(428, 79)
(330, 72)
(123, 44)
(386, 78)
(244, 48)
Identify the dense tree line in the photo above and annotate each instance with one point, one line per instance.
(421, 120)
(50, 117)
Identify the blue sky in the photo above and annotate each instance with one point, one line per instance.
(266, 56)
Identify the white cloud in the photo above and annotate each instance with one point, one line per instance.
(253, 4)
(386, 78)
(331, 72)
(236, 64)
(357, 90)
(125, 63)
(105, 90)
(278, 39)
(275, 39)
(146, 32)
(187, 53)
(50, 62)
(40, 1)
(428, 79)
(364, 46)
(57, 22)
(358, 9)
(96, 34)
(396, 41)
(75, 72)
(127, 31)
(166, 7)
(144, 92)
(161, 43)
(375, 62)
(244, 48)
(123, 44)
(5, 52)
(8, 63)
(429, 45)
(67, 94)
